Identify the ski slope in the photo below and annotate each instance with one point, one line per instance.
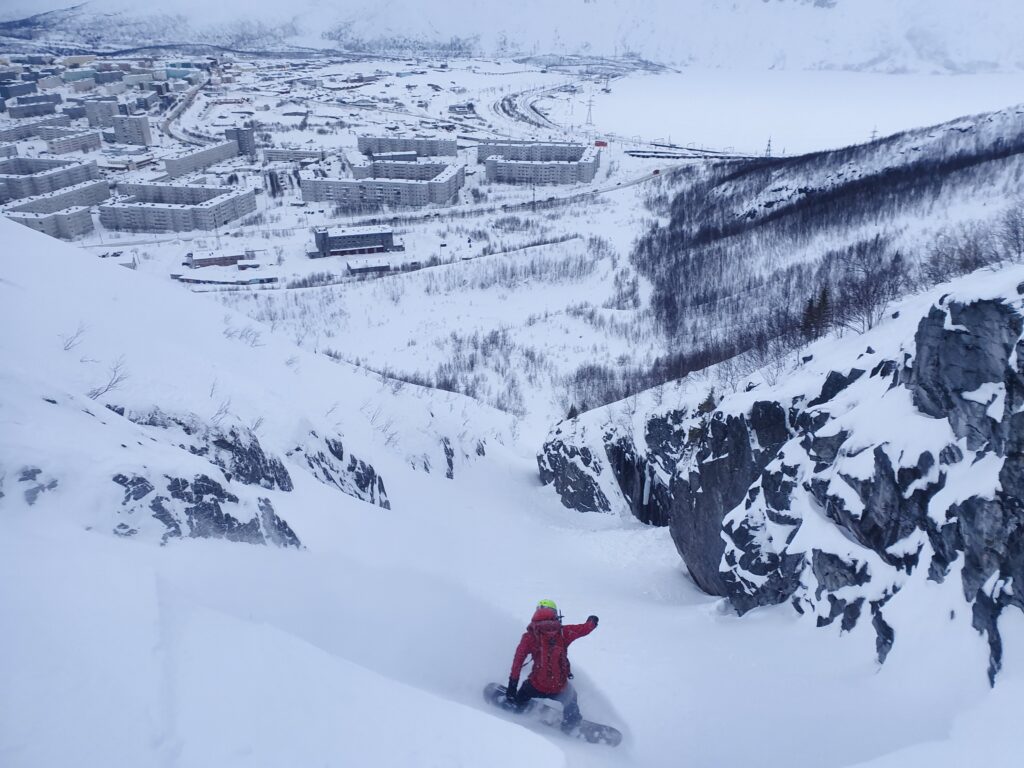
(371, 645)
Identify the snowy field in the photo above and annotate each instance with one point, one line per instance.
(799, 111)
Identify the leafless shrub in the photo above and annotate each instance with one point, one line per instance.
(70, 341)
(117, 376)
(872, 278)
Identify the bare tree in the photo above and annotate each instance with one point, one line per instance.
(871, 278)
(118, 375)
(1010, 232)
(958, 252)
(73, 340)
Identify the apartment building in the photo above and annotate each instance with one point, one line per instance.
(197, 159)
(175, 208)
(30, 176)
(423, 147)
(132, 129)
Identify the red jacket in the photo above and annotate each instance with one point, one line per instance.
(547, 641)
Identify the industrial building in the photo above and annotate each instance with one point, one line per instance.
(352, 241)
(438, 183)
(245, 138)
(430, 147)
(132, 129)
(30, 176)
(8, 150)
(200, 259)
(197, 159)
(175, 208)
(534, 162)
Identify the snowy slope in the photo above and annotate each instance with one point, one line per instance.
(881, 35)
(206, 651)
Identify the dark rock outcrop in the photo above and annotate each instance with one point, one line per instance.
(573, 471)
(198, 508)
(327, 461)
(735, 485)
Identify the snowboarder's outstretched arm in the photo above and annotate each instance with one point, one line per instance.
(575, 631)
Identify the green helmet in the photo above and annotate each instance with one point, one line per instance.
(548, 604)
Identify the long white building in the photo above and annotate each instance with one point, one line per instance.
(535, 162)
(176, 207)
(198, 159)
(63, 213)
(25, 129)
(423, 147)
(60, 141)
(426, 183)
(29, 176)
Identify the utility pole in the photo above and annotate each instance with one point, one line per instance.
(768, 149)
(874, 133)
(590, 111)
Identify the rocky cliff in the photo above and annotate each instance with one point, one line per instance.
(881, 460)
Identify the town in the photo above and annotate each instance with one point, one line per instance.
(236, 171)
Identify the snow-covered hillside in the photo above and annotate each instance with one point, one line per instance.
(150, 649)
(852, 484)
(879, 35)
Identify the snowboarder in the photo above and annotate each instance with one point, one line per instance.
(547, 641)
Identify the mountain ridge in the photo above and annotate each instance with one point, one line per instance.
(904, 36)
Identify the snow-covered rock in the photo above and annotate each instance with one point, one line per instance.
(142, 411)
(884, 458)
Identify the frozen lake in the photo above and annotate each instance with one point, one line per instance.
(799, 111)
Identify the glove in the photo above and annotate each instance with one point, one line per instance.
(512, 690)
(592, 618)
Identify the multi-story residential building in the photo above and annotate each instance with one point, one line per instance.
(175, 208)
(86, 193)
(19, 111)
(423, 147)
(40, 98)
(101, 112)
(196, 159)
(132, 129)
(29, 176)
(63, 213)
(441, 187)
(71, 140)
(11, 88)
(66, 224)
(26, 129)
(245, 138)
(532, 162)
(272, 155)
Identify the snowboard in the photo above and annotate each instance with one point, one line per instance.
(542, 712)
